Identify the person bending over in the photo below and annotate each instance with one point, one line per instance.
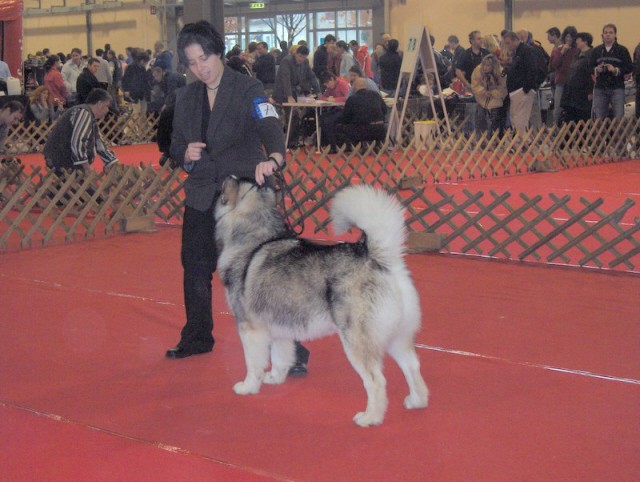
(10, 114)
(75, 138)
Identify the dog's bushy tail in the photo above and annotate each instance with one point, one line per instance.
(378, 214)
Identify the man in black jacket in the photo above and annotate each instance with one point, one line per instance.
(136, 82)
(87, 81)
(321, 55)
(265, 66)
(576, 97)
(521, 81)
(470, 59)
(363, 116)
(610, 62)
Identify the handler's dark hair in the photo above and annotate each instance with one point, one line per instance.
(203, 34)
(97, 95)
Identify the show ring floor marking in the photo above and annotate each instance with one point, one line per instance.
(570, 371)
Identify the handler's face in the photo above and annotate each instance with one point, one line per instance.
(206, 67)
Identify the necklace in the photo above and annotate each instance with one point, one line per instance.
(212, 89)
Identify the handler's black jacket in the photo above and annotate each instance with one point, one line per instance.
(240, 124)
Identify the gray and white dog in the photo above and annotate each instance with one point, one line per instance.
(282, 288)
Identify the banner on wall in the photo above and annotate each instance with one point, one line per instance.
(11, 34)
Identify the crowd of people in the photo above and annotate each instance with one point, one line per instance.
(72, 90)
(503, 74)
(289, 73)
(142, 77)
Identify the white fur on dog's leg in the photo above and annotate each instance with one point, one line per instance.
(274, 377)
(282, 358)
(412, 402)
(365, 419)
(246, 387)
(368, 364)
(255, 342)
(404, 353)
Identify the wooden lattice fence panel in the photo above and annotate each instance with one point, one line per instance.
(548, 229)
(40, 207)
(539, 228)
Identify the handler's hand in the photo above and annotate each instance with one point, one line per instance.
(108, 167)
(265, 169)
(194, 151)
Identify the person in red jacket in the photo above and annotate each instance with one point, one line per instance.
(361, 54)
(336, 88)
(53, 80)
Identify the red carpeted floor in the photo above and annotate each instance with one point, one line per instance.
(534, 375)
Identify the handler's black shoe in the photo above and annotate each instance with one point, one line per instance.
(178, 352)
(298, 370)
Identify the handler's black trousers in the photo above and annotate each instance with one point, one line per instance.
(199, 260)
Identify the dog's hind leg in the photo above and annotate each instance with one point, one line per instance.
(404, 353)
(255, 342)
(282, 358)
(366, 359)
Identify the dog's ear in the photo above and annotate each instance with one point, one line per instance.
(230, 189)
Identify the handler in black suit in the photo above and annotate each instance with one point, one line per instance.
(220, 125)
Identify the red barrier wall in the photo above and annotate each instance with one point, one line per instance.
(11, 43)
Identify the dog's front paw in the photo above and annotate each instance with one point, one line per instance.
(246, 388)
(365, 419)
(275, 377)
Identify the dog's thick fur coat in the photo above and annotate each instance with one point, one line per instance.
(282, 288)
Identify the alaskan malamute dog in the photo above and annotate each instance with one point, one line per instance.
(281, 288)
